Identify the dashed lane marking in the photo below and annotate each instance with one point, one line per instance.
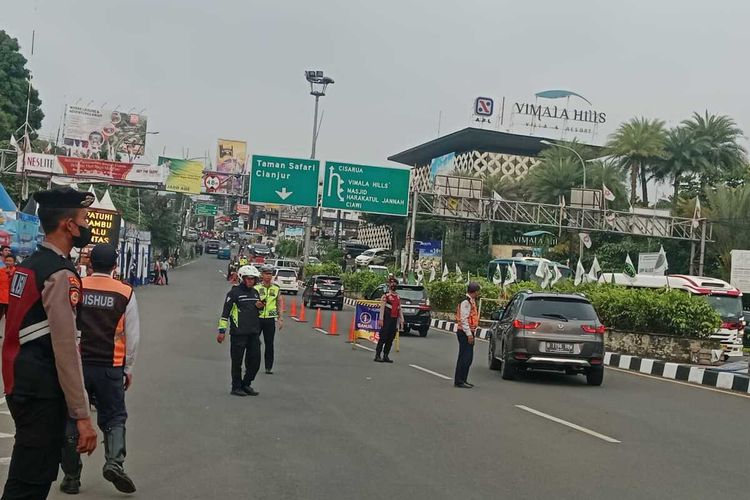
(320, 330)
(444, 377)
(5, 435)
(363, 347)
(568, 424)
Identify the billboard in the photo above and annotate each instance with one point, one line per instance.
(231, 157)
(740, 273)
(442, 165)
(430, 254)
(105, 226)
(184, 176)
(86, 131)
(220, 183)
(86, 168)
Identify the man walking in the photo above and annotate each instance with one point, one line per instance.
(165, 267)
(270, 295)
(110, 333)
(391, 320)
(41, 364)
(240, 313)
(467, 317)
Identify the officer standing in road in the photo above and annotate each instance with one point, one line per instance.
(240, 312)
(391, 319)
(270, 295)
(467, 318)
(110, 333)
(42, 369)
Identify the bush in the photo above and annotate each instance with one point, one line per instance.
(287, 248)
(363, 282)
(327, 268)
(446, 295)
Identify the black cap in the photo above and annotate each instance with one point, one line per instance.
(64, 198)
(473, 287)
(103, 256)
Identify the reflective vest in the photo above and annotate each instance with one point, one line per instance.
(473, 315)
(271, 296)
(102, 321)
(243, 261)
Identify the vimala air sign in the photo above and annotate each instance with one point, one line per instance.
(105, 226)
(364, 188)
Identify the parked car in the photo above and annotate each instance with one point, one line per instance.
(292, 264)
(324, 290)
(212, 246)
(191, 234)
(415, 306)
(286, 279)
(548, 331)
(224, 253)
(354, 248)
(378, 270)
(313, 260)
(373, 256)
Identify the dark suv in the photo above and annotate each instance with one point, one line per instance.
(548, 331)
(324, 290)
(415, 305)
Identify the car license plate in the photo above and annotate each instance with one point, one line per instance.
(559, 347)
(329, 292)
(409, 310)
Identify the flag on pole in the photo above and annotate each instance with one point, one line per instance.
(48, 147)
(13, 143)
(432, 273)
(512, 274)
(608, 194)
(541, 270)
(586, 239)
(580, 274)
(497, 277)
(629, 271)
(610, 218)
(496, 197)
(445, 273)
(557, 277)
(697, 212)
(596, 270)
(548, 275)
(459, 274)
(662, 265)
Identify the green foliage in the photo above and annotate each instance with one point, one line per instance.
(329, 252)
(363, 282)
(326, 268)
(446, 295)
(287, 247)
(14, 87)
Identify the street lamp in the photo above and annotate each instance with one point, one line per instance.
(318, 84)
(583, 163)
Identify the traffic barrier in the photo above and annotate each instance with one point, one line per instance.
(333, 329)
(301, 318)
(294, 309)
(318, 320)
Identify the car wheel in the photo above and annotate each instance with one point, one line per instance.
(595, 376)
(407, 330)
(340, 307)
(423, 331)
(507, 370)
(492, 361)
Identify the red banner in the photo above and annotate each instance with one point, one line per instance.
(96, 168)
(86, 168)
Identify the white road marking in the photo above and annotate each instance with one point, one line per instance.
(5, 461)
(568, 424)
(5, 435)
(365, 348)
(694, 386)
(417, 367)
(320, 330)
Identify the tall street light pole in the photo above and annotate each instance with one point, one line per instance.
(563, 146)
(318, 84)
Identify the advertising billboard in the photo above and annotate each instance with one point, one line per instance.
(86, 168)
(184, 176)
(219, 183)
(86, 131)
(430, 254)
(231, 157)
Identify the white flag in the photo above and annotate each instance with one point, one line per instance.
(13, 143)
(512, 274)
(445, 273)
(586, 239)
(548, 275)
(558, 276)
(420, 276)
(595, 271)
(497, 277)
(608, 194)
(610, 218)
(580, 274)
(459, 274)
(496, 197)
(662, 265)
(432, 273)
(630, 271)
(697, 212)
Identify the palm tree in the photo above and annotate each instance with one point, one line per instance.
(725, 153)
(729, 211)
(686, 154)
(554, 178)
(638, 144)
(608, 173)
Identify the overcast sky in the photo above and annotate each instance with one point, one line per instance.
(235, 69)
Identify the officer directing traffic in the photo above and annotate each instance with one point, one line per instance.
(110, 333)
(467, 317)
(42, 369)
(270, 295)
(240, 313)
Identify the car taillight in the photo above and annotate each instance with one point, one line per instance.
(315, 288)
(594, 329)
(525, 326)
(424, 307)
(729, 325)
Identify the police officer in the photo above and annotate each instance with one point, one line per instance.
(467, 317)
(270, 295)
(390, 320)
(41, 364)
(110, 333)
(241, 314)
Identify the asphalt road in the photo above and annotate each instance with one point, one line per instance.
(331, 424)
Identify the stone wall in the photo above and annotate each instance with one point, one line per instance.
(663, 347)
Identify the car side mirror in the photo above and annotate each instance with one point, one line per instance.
(495, 316)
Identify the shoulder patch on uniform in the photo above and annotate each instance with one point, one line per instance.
(18, 283)
(74, 291)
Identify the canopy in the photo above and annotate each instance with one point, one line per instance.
(6, 203)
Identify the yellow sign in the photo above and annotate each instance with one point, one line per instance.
(232, 157)
(185, 176)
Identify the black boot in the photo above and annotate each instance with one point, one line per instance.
(71, 465)
(378, 359)
(114, 453)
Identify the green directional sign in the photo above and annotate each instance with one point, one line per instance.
(284, 181)
(204, 209)
(363, 188)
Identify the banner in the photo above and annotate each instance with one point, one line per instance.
(87, 131)
(366, 317)
(85, 168)
(185, 176)
(105, 226)
(20, 231)
(242, 209)
(430, 254)
(231, 157)
(647, 263)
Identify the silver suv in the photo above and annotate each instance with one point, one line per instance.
(548, 331)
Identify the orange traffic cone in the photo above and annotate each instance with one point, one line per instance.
(294, 309)
(351, 331)
(318, 320)
(301, 318)
(332, 330)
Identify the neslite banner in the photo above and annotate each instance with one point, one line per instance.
(87, 168)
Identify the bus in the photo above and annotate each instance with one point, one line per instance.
(526, 268)
(725, 299)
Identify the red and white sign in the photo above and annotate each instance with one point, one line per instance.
(242, 209)
(85, 168)
(484, 106)
(221, 183)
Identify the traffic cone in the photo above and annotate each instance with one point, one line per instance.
(318, 320)
(301, 318)
(351, 331)
(332, 330)
(294, 309)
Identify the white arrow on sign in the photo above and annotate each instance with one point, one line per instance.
(284, 194)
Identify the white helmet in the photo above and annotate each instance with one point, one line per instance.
(250, 271)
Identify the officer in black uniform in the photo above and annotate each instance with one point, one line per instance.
(41, 364)
(241, 313)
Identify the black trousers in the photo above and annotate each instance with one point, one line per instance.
(165, 274)
(247, 347)
(386, 336)
(465, 358)
(268, 328)
(106, 385)
(40, 430)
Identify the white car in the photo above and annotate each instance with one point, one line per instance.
(286, 279)
(373, 256)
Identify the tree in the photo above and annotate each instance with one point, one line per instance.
(607, 173)
(553, 178)
(14, 90)
(729, 211)
(685, 154)
(638, 144)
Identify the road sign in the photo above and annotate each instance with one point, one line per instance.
(204, 209)
(362, 188)
(484, 106)
(284, 181)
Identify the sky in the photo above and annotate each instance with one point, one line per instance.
(203, 70)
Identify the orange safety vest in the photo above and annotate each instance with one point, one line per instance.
(473, 315)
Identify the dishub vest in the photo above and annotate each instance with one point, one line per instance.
(102, 321)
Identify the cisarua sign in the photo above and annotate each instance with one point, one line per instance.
(365, 188)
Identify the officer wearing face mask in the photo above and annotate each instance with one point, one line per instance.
(42, 370)
(390, 320)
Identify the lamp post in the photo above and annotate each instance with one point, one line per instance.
(318, 84)
(583, 163)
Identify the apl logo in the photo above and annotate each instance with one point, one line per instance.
(484, 106)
